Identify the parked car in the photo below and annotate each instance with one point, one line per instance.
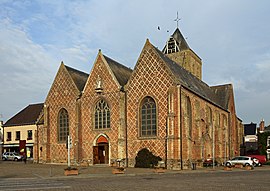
(11, 156)
(244, 160)
(209, 162)
(261, 158)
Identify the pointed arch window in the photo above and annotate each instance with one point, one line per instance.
(209, 120)
(189, 116)
(102, 115)
(148, 117)
(63, 125)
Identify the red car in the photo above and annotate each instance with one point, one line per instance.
(261, 158)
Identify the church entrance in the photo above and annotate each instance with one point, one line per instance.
(101, 151)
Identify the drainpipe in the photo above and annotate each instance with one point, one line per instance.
(37, 146)
(78, 120)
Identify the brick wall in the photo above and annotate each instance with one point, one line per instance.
(112, 95)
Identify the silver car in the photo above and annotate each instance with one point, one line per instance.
(11, 156)
(244, 160)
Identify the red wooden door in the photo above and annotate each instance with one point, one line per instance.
(95, 155)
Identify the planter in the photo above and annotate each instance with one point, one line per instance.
(227, 168)
(118, 170)
(159, 170)
(249, 167)
(73, 171)
(238, 166)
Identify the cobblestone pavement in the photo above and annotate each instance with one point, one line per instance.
(20, 176)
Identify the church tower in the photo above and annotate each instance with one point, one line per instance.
(177, 49)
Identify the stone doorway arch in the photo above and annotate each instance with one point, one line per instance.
(101, 150)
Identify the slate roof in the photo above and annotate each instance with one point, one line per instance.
(223, 94)
(193, 83)
(177, 35)
(121, 72)
(78, 77)
(27, 116)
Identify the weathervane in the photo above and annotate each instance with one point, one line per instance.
(177, 19)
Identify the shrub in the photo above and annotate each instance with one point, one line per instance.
(146, 159)
(267, 163)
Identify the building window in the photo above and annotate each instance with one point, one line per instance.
(189, 116)
(102, 115)
(63, 125)
(29, 135)
(8, 136)
(268, 141)
(209, 125)
(148, 117)
(18, 135)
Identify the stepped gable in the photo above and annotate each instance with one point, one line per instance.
(78, 77)
(191, 82)
(27, 116)
(121, 72)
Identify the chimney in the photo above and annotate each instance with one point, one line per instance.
(262, 125)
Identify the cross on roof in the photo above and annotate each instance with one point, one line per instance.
(177, 19)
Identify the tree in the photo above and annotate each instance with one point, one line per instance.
(262, 142)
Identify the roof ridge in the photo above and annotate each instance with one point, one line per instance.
(76, 70)
(106, 57)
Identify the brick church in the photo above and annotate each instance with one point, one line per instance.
(162, 105)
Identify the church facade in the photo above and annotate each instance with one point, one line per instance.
(162, 105)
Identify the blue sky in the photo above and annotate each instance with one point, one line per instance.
(231, 37)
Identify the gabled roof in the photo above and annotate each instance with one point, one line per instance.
(78, 77)
(223, 94)
(27, 116)
(121, 72)
(190, 82)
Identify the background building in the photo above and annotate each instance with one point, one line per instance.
(22, 126)
(1, 137)
(250, 138)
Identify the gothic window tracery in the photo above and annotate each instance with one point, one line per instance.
(102, 115)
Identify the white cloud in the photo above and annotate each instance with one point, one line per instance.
(26, 69)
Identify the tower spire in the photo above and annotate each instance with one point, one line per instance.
(177, 20)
